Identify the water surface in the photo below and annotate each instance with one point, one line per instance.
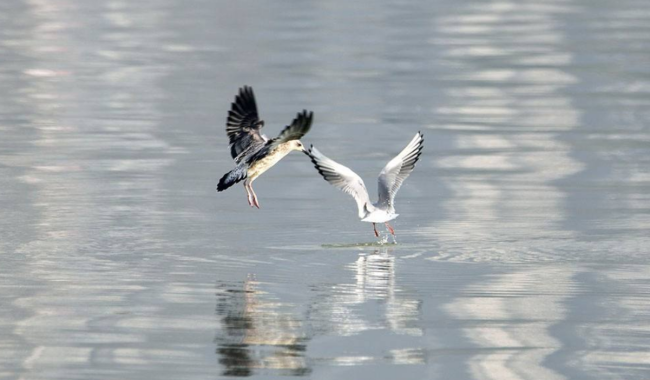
(523, 232)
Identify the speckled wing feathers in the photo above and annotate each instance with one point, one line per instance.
(243, 124)
(297, 129)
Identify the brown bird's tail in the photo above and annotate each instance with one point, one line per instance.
(232, 177)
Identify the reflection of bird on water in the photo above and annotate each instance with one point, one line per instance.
(253, 152)
(343, 307)
(257, 333)
(377, 271)
(390, 180)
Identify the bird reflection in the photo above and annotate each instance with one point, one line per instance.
(402, 313)
(258, 333)
(262, 333)
(375, 281)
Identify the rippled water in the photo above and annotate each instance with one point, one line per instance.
(523, 237)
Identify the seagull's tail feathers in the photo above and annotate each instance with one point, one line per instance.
(232, 177)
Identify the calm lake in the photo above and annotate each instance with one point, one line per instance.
(524, 232)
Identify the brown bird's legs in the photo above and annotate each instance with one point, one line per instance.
(252, 197)
(255, 202)
(248, 195)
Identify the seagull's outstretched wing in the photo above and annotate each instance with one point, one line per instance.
(298, 128)
(243, 126)
(341, 177)
(397, 170)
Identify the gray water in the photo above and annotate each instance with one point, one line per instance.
(523, 237)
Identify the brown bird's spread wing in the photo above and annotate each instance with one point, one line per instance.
(296, 130)
(243, 125)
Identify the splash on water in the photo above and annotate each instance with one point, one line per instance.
(380, 243)
(383, 238)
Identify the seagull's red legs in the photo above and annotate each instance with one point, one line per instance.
(392, 231)
(374, 226)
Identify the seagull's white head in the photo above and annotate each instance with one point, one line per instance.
(297, 145)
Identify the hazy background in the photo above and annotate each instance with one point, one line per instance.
(524, 230)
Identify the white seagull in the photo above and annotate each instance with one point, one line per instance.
(389, 182)
(253, 152)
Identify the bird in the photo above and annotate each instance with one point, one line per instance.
(389, 182)
(252, 151)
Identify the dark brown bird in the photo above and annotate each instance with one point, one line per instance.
(253, 152)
